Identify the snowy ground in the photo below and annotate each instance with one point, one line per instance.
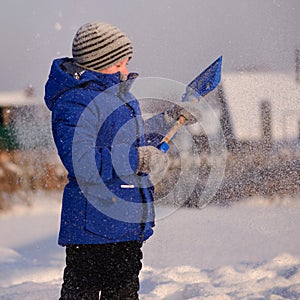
(248, 251)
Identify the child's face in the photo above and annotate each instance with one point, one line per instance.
(120, 66)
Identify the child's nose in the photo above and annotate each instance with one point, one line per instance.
(125, 71)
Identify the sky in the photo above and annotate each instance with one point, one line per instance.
(172, 39)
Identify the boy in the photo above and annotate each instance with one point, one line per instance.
(103, 254)
(108, 214)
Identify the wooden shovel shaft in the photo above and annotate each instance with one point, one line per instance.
(173, 130)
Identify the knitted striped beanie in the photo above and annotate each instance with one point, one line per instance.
(97, 46)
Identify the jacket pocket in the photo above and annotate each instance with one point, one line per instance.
(110, 228)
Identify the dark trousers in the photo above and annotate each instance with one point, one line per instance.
(112, 269)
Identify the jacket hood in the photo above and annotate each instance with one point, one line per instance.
(60, 81)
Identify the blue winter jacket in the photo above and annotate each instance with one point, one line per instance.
(97, 127)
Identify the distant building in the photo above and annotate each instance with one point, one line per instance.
(24, 121)
(246, 91)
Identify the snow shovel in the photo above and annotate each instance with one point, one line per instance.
(203, 84)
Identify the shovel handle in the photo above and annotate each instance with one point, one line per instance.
(164, 145)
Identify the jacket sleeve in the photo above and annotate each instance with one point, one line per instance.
(75, 130)
(65, 117)
(156, 128)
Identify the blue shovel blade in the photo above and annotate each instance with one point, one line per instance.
(205, 82)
